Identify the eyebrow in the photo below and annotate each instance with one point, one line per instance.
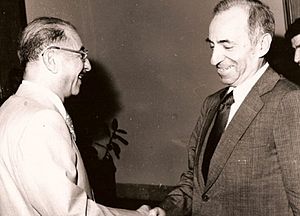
(220, 41)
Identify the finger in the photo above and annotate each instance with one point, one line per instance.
(157, 212)
(153, 212)
(144, 209)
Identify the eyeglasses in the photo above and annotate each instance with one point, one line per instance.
(82, 52)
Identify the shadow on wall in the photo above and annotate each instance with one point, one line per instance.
(92, 111)
(96, 104)
(281, 57)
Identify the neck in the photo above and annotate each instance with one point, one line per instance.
(38, 76)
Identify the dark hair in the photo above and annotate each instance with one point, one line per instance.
(40, 33)
(261, 19)
(293, 30)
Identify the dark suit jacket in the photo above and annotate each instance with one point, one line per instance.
(255, 169)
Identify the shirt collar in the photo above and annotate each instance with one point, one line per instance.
(241, 91)
(50, 95)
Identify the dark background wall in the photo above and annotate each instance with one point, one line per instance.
(154, 56)
(12, 21)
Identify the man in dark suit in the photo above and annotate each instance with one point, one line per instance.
(253, 168)
(293, 36)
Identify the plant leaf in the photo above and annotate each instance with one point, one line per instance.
(121, 131)
(124, 141)
(116, 149)
(101, 145)
(114, 124)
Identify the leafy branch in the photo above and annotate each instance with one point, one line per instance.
(115, 136)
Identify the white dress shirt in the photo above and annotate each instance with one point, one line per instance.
(241, 91)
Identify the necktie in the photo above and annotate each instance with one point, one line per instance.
(71, 127)
(216, 132)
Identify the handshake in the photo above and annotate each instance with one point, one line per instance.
(145, 210)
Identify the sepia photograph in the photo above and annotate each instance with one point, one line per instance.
(150, 108)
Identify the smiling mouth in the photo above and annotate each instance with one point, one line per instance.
(224, 69)
(81, 75)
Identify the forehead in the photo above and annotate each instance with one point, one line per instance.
(229, 25)
(296, 41)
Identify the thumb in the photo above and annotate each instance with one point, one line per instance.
(144, 209)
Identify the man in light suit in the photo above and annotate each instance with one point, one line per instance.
(255, 168)
(293, 36)
(41, 170)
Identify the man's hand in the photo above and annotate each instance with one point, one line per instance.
(157, 212)
(144, 210)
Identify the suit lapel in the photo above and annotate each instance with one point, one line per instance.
(247, 112)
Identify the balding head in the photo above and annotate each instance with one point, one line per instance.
(39, 34)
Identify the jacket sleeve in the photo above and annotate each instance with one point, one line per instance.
(179, 201)
(287, 140)
(46, 166)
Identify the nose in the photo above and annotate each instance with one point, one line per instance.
(297, 56)
(216, 56)
(87, 65)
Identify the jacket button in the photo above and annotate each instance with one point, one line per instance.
(205, 198)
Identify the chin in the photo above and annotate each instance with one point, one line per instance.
(76, 88)
(226, 81)
(229, 80)
(76, 91)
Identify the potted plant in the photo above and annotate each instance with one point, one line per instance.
(102, 175)
(114, 137)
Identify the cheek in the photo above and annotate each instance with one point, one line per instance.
(79, 65)
(243, 60)
(240, 54)
(235, 56)
(75, 71)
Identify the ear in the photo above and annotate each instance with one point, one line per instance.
(50, 61)
(264, 44)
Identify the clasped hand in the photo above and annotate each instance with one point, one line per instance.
(145, 210)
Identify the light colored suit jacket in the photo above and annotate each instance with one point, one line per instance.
(41, 170)
(255, 170)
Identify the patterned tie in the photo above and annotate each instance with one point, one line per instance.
(71, 127)
(216, 132)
